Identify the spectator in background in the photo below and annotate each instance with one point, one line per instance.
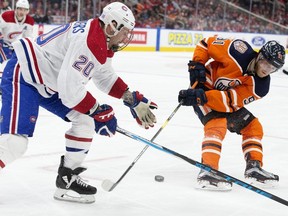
(212, 15)
(47, 18)
(37, 16)
(4, 6)
(40, 18)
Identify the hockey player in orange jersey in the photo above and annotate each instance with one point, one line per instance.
(235, 76)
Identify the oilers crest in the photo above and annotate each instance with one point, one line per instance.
(224, 83)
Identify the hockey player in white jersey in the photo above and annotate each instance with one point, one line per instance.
(14, 24)
(52, 71)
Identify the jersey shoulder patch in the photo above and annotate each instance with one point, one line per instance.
(242, 52)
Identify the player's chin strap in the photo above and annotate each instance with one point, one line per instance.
(116, 48)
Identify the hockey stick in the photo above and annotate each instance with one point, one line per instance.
(203, 166)
(107, 184)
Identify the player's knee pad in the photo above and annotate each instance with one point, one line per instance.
(78, 139)
(253, 129)
(216, 128)
(215, 131)
(76, 150)
(12, 146)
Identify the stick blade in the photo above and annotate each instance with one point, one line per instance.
(108, 185)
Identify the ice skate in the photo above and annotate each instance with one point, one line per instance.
(70, 187)
(256, 175)
(209, 181)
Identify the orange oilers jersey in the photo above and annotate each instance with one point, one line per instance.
(228, 84)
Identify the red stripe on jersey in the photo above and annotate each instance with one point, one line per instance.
(2, 53)
(80, 139)
(15, 104)
(86, 104)
(118, 88)
(35, 61)
(2, 165)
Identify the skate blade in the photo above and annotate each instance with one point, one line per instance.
(71, 196)
(265, 184)
(221, 186)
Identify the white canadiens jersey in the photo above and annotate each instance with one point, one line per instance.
(65, 59)
(12, 30)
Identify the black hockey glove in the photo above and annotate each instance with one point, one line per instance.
(105, 121)
(197, 72)
(192, 97)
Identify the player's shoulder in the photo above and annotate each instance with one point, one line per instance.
(240, 46)
(29, 20)
(8, 16)
(96, 42)
(242, 52)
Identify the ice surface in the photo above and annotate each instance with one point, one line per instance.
(27, 185)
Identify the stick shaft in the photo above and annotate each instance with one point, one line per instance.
(203, 166)
(146, 147)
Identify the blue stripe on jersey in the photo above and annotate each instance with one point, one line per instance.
(28, 60)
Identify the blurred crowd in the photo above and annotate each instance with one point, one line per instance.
(261, 16)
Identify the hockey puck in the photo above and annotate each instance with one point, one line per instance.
(159, 178)
(285, 71)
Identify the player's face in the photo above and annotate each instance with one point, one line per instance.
(21, 13)
(263, 68)
(121, 39)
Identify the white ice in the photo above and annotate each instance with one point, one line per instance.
(27, 185)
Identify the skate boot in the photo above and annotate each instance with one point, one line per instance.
(209, 181)
(70, 187)
(255, 174)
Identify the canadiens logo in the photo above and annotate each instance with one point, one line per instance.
(223, 84)
(14, 35)
(33, 119)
